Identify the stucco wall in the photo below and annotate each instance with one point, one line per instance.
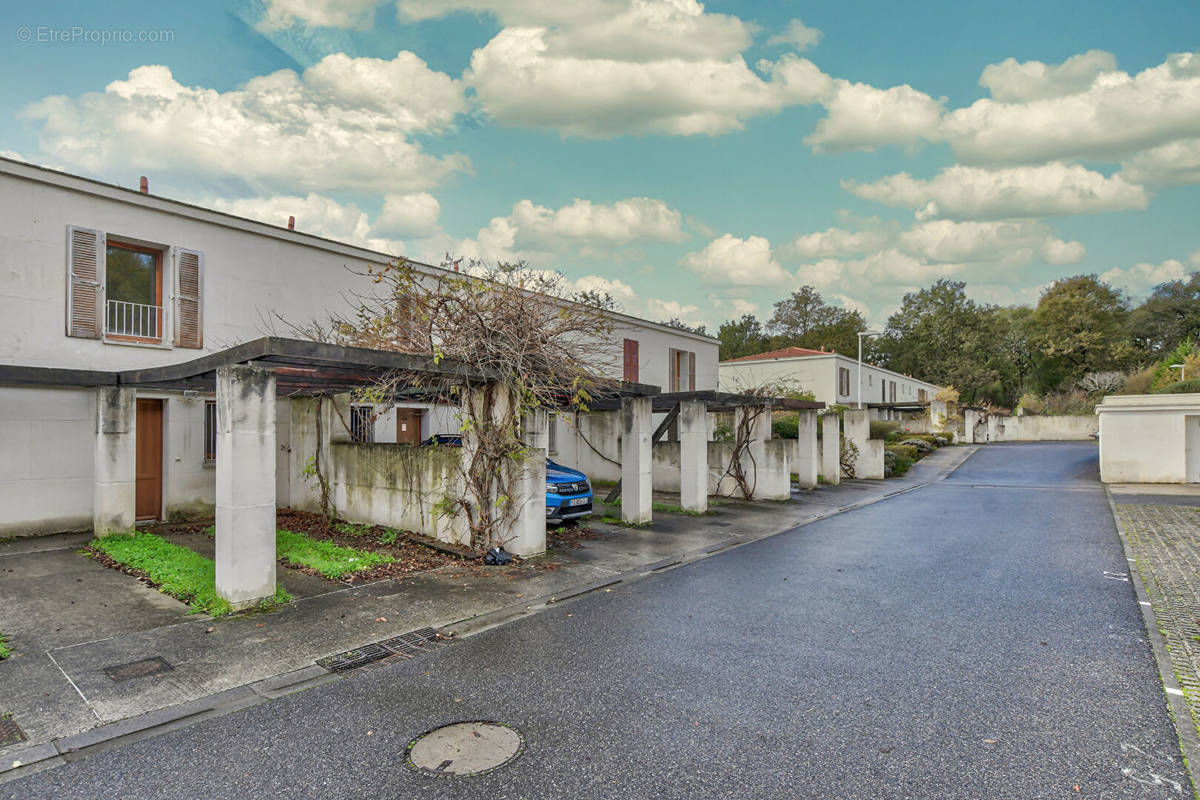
(1150, 438)
(819, 375)
(1049, 429)
(395, 485)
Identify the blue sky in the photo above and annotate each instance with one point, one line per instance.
(696, 160)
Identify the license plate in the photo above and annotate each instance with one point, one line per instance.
(579, 501)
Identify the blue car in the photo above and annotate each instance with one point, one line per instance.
(568, 491)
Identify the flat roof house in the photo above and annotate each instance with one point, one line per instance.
(831, 377)
(103, 279)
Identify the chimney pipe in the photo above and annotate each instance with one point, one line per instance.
(291, 223)
(144, 185)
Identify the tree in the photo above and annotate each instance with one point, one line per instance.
(742, 337)
(1079, 326)
(942, 336)
(676, 322)
(1170, 315)
(805, 320)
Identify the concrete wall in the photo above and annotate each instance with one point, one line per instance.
(771, 471)
(396, 485)
(1150, 438)
(1049, 429)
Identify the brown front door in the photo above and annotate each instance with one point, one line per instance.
(408, 426)
(149, 458)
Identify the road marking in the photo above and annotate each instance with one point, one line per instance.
(1116, 576)
(1143, 603)
(1169, 690)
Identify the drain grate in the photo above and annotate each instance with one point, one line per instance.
(10, 731)
(138, 669)
(405, 646)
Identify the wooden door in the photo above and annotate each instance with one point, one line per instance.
(149, 459)
(408, 425)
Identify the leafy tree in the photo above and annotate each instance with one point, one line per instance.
(805, 320)
(1170, 315)
(676, 322)
(742, 337)
(942, 336)
(1079, 326)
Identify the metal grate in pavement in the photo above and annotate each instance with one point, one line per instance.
(405, 646)
(10, 731)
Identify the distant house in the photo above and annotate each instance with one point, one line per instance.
(831, 377)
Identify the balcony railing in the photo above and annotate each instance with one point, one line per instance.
(133, 319)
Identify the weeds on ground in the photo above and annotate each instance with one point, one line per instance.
(330, 560)
(4, 651)
(177, 571)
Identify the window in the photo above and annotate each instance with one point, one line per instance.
(922, 395)
(631, 361)
(892, 392)
(870, 379)
(844, 381)
(681, 370)
(552, 434)
(210, 431)
(362, 424)
(117, 290)
(133, 293)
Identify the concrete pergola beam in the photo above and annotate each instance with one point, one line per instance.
(245, 485)
(637, 432)
(114, 500)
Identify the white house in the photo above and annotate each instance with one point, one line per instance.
(103, 278)
(831, 377)
(1150, 438)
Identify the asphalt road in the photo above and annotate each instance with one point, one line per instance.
(972, 639)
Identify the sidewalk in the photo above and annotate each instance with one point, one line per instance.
(100, 659)
(1160, 528)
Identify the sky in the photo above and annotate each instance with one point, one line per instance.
(696, 161)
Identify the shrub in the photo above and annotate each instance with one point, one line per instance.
(895, 463)
(786, 427)
(1189, 386)
(1164, 374)
(880, 429)
(903, 450)
(848, 458)
(923, 447)
(1139, 382)
(1031, 403)
(1069, 402)
(1102, 382)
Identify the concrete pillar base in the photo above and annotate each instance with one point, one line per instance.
(831, 449)
(636, 461)
(806, 459)
(114, 496)
(693, 456)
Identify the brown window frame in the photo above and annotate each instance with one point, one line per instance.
(210, 431)
(159, 278)
(630, 356)
(362, 431)
(843, 381)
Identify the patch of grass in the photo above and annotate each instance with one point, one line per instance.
(330, 560)
(389, 536)
(610, 520)
(350, 529)
(4, 651)
(672, 509)
(177, 571)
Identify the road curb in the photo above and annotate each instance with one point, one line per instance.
(1181, 714)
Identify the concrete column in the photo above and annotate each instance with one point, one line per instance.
(831, 449)
(938, 412)
(995, 428)
(693, 456)
(528, 534)
(245, 527)
(636, 460)
(536, 429)
(970, 420)
(805, 460)
(114, 498)
(869, 464)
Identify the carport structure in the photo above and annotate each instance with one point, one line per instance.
(248, 380)
(700, 466)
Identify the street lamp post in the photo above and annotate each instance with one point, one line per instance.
(861, 334)
(1181, 368)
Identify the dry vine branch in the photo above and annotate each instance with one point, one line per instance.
(539, 344)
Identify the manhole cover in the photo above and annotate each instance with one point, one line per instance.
(10, 731)
(138, 669)
(465, 748)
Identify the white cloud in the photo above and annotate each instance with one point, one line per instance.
(961, 192)
(515, 12)
(745, 262)
(743, 306)
(970, 242)
(521, 80)
(1116, 116)
(317, 13)
(1141, 278)
(1194, 259)
(835, 243)
(342, 125)
(862, 117)
(636, 219)
(890, 267)
(1176, 163)
(316, 214)
(798, 35)
(1014, 81)
(408, 215)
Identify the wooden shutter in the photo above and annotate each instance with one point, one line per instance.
(691, 372)
(85, 282)
(189, 320)
(672, 370)
(631, 360)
